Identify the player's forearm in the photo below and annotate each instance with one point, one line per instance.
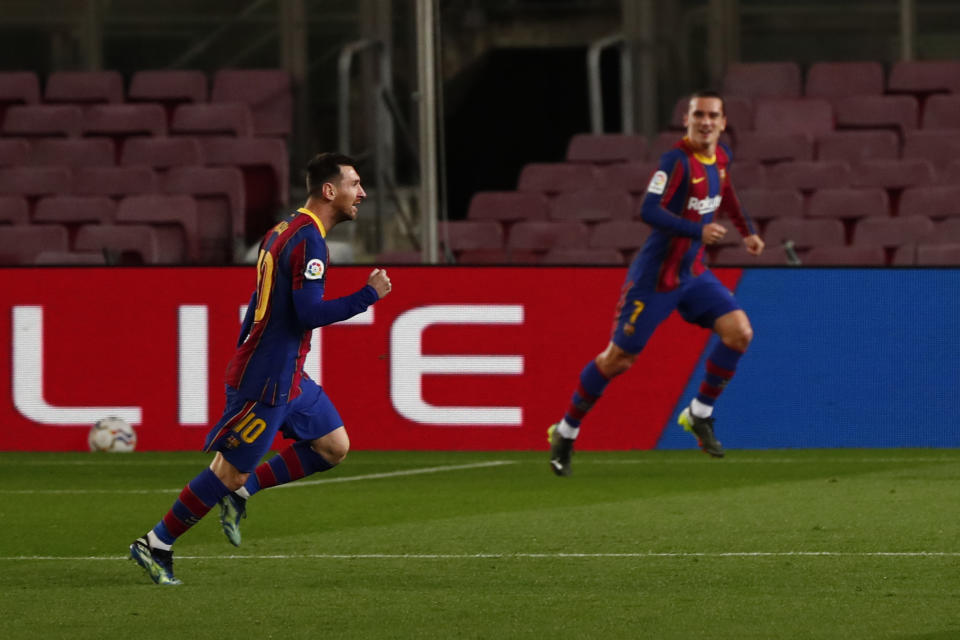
(656, 216)
(313, 312)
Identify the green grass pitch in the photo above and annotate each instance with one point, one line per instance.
(775, 544)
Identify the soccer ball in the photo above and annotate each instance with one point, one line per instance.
(112, 434)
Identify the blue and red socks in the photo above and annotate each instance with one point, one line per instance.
(721, 365)
(197, 498)
(588, 391)
(296, 461)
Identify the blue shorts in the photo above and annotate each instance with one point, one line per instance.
(699, 300)
(247, 429)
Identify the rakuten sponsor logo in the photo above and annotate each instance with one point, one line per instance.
(705, 205)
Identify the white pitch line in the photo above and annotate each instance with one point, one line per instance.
(292, 485)
(530, 556)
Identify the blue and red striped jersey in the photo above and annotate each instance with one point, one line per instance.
(686, 192)
(285, 307)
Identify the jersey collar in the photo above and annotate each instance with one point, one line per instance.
(316, 220)
(705, 159)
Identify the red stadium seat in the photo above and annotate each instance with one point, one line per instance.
(541, 236)
(592, 205)
(628, 176)
(855, 146)
(945, 231)
(14, 151)
(932, 201)
(267, 92)
(43, 120)
(168, 86)
(812, 116)
(904, 255)
(832, 80)
(20, 244)
(847, 203)
(748, 174)
(941, 255)
(471, 234)
(84, 87)
(606, 148)
(115, 181)
(556, 177)
(73, 152)
(125, 120)
(941, 112)
(924, 76)
(761, 146)
(891, 232)
(14, 210)
(893, 174)
(221, 204)
(937, 146)
(623, 235)
(845, 256)
(70, 258)
(497, 256)
(582, 256)
(70, 209)
(766, 204)
(125, 244)
(161, 152)
(804, 233)
(737, 109)
(174, 217)
(858, 112)
(35, 181)
(808, 176)
(210, 119)
(19, 87)
(762, 80)
(507, 206)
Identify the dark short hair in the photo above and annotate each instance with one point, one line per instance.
(708, 93)
(326, 167)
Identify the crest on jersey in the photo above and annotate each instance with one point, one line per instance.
(658, 182)
(314, 270)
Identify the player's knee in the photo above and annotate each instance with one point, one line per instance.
(613, 362)
(333, 449)
(739, 339)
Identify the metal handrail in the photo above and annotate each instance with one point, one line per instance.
(594, 52)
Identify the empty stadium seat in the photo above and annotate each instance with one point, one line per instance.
(35, 181)
(804, 232)
(555, 177)
(812, 116)
(856, 112)
(924, 76)
(541, 236)
(497, 256)
(765, 204)
(855, 146)
(845, 256)
(174, 217)
(582, 256)
(762, 80)
(19, 87)
(124, 244)
(267, 92)
(471, 234)
(808, 176)
(221, 203)
(19, 244)
(737, 109)
(623, 235)
(893, 174)
(14, 210)
(161, 152)
(73, 152)
(123, 120)
(762, 146)
(208, 119)
(938, 146)
(14, 151)
(941, 112)
(905, 255)
(70, 209)
(70, 258)
(934, 201)
(944, 232)
(592, 205)
(43, 120)
(168, 86)
(748, 174)
(891, 232)
(832, 80)
(848, 203)
(115, 181)
(507, 206)
(941, 255)
(84, 86)
(605, 148)
(628, 176)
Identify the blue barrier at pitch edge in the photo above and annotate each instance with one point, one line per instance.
(841, 358)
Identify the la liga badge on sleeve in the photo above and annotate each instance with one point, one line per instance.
(314, 270)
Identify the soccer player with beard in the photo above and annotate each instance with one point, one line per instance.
(267, 389)
(690, 187)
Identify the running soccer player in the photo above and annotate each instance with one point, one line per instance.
(267, 389)
(690, 187)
